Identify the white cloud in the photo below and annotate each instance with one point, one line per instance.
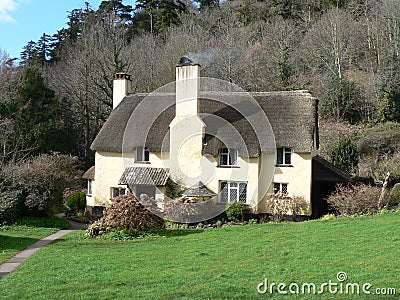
(7, 6)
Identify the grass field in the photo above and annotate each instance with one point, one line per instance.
(225, 263)
(25, 232)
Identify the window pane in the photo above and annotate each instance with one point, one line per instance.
(224, 192)
(284, 188)
(233, 194)
(146, 154)
(288, 156)
(223, 159)
(279, 156)
(242, 192)
(139, 154)
(89, 187)
(233, 157)
(115, 192)
(277, 187)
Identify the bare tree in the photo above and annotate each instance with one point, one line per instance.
(84, 77)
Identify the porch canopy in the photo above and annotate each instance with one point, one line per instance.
(144, 176)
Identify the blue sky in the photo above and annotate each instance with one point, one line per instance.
(24, 20)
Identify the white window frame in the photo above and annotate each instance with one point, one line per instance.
(89, 188)
(231, 157)
(142, 152)
(231, 186)
(119, 191)
(282, 186)
(285, 161)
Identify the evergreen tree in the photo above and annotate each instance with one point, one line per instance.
(37, 114)
(155, 16)
(124, 12)
(29, 52)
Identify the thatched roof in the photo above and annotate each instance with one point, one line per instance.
(89, 174)
(198, 190)
(144, 176)
(292, 116)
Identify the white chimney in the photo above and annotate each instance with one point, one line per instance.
(187, 87)
(186, 129)
(121, 87)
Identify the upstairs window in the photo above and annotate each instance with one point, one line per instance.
(280, 188)
(233, 191)
(284, 156)
(142, 154)
(228, 157)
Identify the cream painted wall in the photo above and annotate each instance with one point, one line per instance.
(109, 168)
(298, 176)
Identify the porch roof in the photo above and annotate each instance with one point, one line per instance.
(144, 176)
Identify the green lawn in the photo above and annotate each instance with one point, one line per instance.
(25, 232)
(226, 263)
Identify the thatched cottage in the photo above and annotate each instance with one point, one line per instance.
(224, 143)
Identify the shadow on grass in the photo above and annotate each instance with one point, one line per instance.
(15, 242)
(145, 235)
(46, 222)
(178, 232)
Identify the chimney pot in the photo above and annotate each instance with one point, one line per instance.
(122, 86)
(186, 61)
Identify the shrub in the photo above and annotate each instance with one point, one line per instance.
(379, 140)
(281, 204)
(237, 211)
(127, 213)
(42, 180)
(188, 209)
(344, 154)
(389, 107)
(394, 196)
(77, 201)
(355, 199)
(173, 189)
(10, 206)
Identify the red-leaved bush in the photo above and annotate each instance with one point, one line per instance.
(127, 213)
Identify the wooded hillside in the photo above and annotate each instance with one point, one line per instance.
(59, 93)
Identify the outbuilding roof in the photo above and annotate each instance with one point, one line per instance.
(198, 190)
(143, 119)
(89, 174)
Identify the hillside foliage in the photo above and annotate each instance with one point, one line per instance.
(345, 52)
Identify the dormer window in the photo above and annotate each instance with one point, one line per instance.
(228, 157)
(284, 156)
(142, 154)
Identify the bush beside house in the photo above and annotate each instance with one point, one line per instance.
(128, 214)
(35, 187)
